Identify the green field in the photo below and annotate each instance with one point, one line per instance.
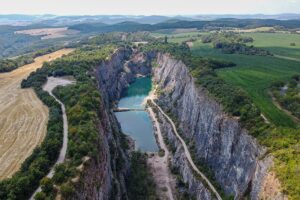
(278, 43)
(177, 37)
(255, 74)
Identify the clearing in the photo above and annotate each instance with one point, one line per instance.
(23, 117)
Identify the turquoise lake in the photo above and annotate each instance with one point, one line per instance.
(137, 124)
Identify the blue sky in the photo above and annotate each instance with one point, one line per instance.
(149, 7)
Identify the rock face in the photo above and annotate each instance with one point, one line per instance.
(105, 178)
(180, 165)
(235, 158)
(122, 69)
(218, 140)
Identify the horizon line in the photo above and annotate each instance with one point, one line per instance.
(167, 15)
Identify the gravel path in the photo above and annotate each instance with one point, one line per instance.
(187, 153)
(52, 83)
(161, 171)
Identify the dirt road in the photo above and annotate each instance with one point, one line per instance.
(187, 153)
(52, 83)
(23, 117)
(159, 165)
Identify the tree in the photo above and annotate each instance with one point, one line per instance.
(47, 185)
(166, 39)
(40, 196)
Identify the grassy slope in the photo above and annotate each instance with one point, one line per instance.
(255, 74)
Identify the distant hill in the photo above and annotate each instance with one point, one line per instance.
(173, 24)
(52, 20)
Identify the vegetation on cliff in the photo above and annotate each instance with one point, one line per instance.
(140, 182)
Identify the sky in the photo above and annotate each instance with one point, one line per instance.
(148, 7)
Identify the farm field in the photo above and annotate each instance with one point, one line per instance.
(175, 37)
(278, 43)
(23, 117)
(255, 74)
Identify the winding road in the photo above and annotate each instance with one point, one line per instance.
(52, 83)
(186, 151)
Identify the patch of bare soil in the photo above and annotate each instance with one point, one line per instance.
(190, 44)
(271, 188)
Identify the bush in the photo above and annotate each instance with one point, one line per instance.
(161, 153)
(40, 196)
(67, 191)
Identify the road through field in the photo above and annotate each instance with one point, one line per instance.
(23, 117)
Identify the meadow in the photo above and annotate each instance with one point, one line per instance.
(255, 74)
(278, 43)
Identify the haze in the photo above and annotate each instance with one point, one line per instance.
(148, 7)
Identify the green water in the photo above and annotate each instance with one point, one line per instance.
(137, 124)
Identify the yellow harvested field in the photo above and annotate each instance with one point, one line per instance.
(23, 117)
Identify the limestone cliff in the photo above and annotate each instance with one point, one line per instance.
(238, 162)
(219, 141)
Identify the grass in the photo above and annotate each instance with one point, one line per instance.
(178, 37)
(278, 43)
(255, 74)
